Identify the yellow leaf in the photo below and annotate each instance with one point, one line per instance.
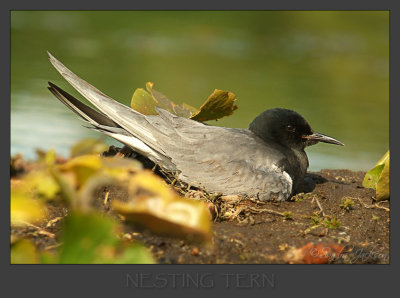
(176, 217)
(88, 146)
(155, 205)
(41, 183)
(83, 167)
(148, 181)
(25, 209)
(120, 167)
(384, 158)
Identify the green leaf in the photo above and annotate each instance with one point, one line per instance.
(382, 186)
(135, 254)
(90, 238)
(47, 257)
(84, 236)
(143, 102)
(218, 105)
(372, 176)
(384, 158)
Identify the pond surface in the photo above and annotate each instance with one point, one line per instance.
(331, 67)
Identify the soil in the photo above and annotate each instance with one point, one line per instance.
(313, 227)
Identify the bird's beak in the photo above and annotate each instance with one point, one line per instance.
(319, 137)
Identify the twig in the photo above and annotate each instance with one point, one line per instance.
(266, 210)
(308, 230)
(106, 198)
(236, 213)
(40, 230)
(372, 206)
(53, 246)
(381, 207)
(54, 220)
(319, 205)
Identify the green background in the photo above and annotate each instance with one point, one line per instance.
(330, 66)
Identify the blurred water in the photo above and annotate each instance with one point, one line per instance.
(331, 67)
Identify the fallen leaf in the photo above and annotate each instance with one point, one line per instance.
(383, 184)
(83, 167)
(175, 217)
(24, 208)
(41, 183)
(372, 176)
(151, 183)
(155, 205)
(88, 146)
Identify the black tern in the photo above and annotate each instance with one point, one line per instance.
(266, 161)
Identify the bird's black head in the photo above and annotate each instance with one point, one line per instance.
(287, 128)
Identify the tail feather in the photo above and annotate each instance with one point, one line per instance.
(103, 124)
(86, 112)
(125, 117)
(125, 138)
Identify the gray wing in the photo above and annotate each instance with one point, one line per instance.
(213, 157)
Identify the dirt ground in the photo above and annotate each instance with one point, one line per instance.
(269, 237)
(338, 217)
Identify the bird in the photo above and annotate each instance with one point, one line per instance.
(267, 161)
